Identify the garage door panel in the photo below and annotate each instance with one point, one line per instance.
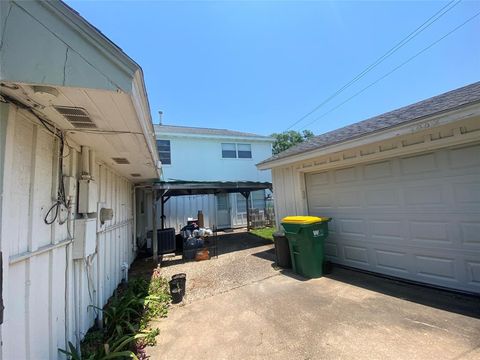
(379, 170)
(356, 254)
(442, 268)
(352, 228)
(380, 198)
(467, 195)
(425, 195)
(419, 164)
(331, 250)
(416, 217)
(470, 234)
(348, 199)
(392, 260)
(430, 232)
(473, 272)
(387, 229)
(345, 175)
(464, 157)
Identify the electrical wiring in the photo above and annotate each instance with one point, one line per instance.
(53, 212)
(394, 69)
(435, 17)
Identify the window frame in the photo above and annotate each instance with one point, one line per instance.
(160, 152)
(230, 150)
(235, 150)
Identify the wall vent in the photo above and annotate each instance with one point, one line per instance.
(121, 161)
(135, 175)
(77, 116)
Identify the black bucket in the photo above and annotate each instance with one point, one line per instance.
(179, 281)
(177, 295)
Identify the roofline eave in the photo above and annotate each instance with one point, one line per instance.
(445, 117)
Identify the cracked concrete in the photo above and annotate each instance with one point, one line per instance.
(346, 314)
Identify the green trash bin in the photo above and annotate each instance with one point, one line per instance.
(306, 236)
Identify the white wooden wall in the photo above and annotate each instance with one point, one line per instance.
(179, 208)
(47, 294)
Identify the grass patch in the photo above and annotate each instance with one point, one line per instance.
(264, 233)
(126, 316)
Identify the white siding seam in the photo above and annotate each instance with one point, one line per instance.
(28, 254)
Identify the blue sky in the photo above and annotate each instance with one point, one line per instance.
(260, 66)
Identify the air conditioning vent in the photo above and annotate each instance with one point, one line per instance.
(78, 117)
(121, 161)
(135, 175)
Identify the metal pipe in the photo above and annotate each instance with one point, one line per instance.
(163, 213)
(154, 226)
(85, 160)
(91, 161)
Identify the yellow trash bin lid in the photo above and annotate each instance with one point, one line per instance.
(303, 219)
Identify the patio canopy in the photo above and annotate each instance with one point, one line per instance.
(163, 190)
(180, 187)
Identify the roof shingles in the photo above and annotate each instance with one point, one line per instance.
(169, 129)
(445, 102)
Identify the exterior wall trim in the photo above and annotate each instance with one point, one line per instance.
(406, 129)
(216, 137)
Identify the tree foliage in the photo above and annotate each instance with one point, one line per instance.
(287, 139)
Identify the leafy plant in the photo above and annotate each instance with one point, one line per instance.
(125, 332)
(287, 139)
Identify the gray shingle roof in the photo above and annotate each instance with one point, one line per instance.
(167, 129)
(445, 102)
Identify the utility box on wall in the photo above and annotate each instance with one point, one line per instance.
(85, 239)
(87, 196)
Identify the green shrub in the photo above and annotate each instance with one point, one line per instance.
(126, 316)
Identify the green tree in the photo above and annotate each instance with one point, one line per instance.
(287, 139)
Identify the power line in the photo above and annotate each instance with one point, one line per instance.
(394, 69)
(431, 20)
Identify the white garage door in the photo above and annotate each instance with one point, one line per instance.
(415, 217)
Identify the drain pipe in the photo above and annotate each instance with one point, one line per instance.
(125, 268)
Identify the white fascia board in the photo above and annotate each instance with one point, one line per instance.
(52, 37)
(402, 129)
(93, 35)
(142, 108)
(160, 134)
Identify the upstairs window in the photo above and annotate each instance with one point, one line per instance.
(229, 151)
(244, 151)
(163, 147)
(234, 151)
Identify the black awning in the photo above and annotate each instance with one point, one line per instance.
(179, 187)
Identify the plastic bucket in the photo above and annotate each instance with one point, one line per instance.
(179, 281)
(177, 295)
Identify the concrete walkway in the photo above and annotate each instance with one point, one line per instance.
(347, 315)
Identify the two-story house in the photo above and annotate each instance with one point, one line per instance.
(204, 154)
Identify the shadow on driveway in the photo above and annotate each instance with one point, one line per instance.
(468, 305)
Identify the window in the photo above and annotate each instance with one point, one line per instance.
(233, 151)
(163, 147)
(244, 151)
(256, 201)
(229, 151)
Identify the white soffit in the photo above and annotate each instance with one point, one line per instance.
(47, 43)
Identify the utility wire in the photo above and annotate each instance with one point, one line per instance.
(431, 20)
(395, 69)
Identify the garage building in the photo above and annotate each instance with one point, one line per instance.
(403, 189)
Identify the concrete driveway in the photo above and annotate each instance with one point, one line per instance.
(345, 315)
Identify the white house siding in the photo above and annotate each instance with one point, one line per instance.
(454, 173)
(47, 294)
(199, 158)
(179, 208)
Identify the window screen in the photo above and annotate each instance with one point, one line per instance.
(163, 147)
(229, 151)
(244, 151)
